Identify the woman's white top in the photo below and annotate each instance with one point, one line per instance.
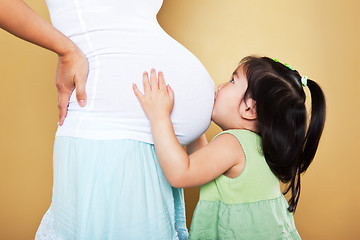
(122, 39)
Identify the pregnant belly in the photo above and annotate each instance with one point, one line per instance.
(113, 111)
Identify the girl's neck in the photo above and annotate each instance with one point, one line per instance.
(250, 126)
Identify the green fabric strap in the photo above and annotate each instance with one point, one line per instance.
(255, 183)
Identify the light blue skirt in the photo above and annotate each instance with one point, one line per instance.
(111, 189)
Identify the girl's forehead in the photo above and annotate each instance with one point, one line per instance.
(239, 72)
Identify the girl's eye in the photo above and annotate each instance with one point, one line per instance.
(232, 80)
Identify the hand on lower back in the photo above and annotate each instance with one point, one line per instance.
(72, 72)
(158, 98)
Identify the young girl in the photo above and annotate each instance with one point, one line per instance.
(265, 138)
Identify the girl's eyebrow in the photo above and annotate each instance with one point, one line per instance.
(235, 74)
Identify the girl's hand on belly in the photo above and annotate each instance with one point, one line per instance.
(158, 98)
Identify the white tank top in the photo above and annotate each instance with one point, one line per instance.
(122, 39)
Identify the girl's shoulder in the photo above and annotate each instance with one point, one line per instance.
(246, 138)
(239, 133)
(242, 143)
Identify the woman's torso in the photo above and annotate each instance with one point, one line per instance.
(122, 39)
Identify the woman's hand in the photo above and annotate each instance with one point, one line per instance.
(158, 98)
(72, 72)
(20, 20)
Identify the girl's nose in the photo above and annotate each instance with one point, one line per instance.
(220, 86)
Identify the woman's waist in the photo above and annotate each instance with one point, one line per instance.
(105, 126)
(123, 109)
(127, 125)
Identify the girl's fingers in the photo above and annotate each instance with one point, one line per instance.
(155, 83)
(161, 81)
(146, 82)
(170, 92)
(153, 80)
(137, 92)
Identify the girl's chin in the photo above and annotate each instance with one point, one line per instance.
(214, 119)
(213, 113)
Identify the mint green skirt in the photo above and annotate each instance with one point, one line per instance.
(261, 220)
(109, 190)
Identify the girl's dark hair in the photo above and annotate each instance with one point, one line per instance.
(289, 143)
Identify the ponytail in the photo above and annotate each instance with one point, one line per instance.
(289, 145)
(316, 125)
(311, 140)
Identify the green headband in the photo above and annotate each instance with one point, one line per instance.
(287, 65)
(303, 78)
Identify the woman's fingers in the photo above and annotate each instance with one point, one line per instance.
(80, 90)
(63, 103)
(72, 72)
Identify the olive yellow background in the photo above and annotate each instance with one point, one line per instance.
(319, 38)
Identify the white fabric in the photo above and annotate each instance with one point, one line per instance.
(122, 39)
(46, 229)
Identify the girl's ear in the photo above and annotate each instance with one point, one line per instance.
(250, 110)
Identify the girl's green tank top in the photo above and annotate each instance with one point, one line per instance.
(249, 206)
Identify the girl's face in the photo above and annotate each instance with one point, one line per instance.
(229, 103)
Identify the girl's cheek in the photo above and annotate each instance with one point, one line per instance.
(216, 101)
(217, 94)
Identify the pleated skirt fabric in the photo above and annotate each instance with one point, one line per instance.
(111, 189)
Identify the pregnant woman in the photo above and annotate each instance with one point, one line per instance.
(107, 181)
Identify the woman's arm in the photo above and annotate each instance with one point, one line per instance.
(20, 20)
(180, 169)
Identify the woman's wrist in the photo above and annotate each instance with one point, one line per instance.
(70, 53)
(66, 47)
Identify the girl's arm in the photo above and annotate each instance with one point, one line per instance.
(180, 169)
(20, 20)
(197, 144)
